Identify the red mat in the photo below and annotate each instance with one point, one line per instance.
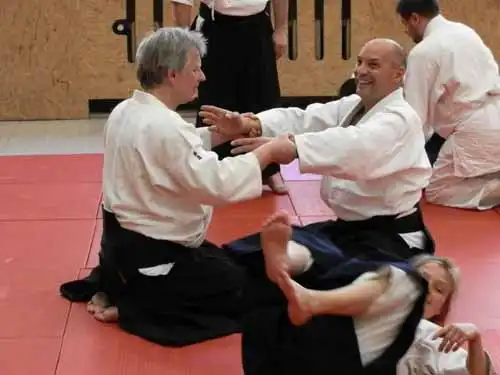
(50, 230)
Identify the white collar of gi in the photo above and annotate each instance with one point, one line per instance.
(434, 24)
(146, 98)
(395, 95)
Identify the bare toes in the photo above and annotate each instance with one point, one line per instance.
(108, 315)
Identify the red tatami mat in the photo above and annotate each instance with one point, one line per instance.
(48, 201)
(50, 229)
(50, 168)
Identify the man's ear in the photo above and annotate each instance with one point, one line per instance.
(170, 75)
(400, 73)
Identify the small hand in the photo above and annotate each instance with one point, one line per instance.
(280, 42)
(244, 145)
(455, 335)
(222, 121)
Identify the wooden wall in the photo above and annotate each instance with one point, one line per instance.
(56, 55)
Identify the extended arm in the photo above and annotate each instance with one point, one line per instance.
(280, 8)
(455, 360)
(182, 163)
(212, 139)
(182, 12)
(382, 145)
(476, 359)
(313, 118)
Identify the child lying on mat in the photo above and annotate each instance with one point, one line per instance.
(358, 311)
(437, 349)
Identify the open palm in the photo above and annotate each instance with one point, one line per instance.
(222, 121)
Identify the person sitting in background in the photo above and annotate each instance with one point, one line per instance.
(452, 81)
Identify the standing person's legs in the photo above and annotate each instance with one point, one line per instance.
(261, 91)
(232, 47)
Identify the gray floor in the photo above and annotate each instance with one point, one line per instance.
(55, 137)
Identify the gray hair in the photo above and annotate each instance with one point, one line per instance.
(166, 49)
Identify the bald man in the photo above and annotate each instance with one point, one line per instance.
(370, 149)
(368, 146)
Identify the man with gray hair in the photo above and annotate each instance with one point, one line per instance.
(157, 275)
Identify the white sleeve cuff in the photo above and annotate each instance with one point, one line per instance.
(265, 118)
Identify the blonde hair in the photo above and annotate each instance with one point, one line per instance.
(453, 271)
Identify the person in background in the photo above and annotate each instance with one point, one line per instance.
(452, 81)
(240, 64)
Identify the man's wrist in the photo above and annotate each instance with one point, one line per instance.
(252, 125)
(291, 137)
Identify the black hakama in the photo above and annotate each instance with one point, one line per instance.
(342, 251)
(240, 67)
(199, 299)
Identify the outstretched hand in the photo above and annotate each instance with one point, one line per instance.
(244, 145)
(222, 121)
(455, 335)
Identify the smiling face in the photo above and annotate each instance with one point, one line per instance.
(378, 71)
(441, 287)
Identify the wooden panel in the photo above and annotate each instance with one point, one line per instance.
(40, 59)
(370, 18)
(57, 55)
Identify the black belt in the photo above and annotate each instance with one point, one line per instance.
(406, 224)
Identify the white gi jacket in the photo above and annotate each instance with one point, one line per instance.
(424, 357)
(378, 167)
(453, 83)
(160, 180)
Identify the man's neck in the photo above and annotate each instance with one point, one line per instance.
(429, 20)
(165, 97)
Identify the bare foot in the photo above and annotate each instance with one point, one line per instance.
(108, 315)
(98, 303)
(274, 238)
(277, 184)
(299, 299)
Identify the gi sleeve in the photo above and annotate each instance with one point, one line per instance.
(419, 81)
(315, 117)
(205, 136)
(426, 357)
(178, 161)
(370, 150)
